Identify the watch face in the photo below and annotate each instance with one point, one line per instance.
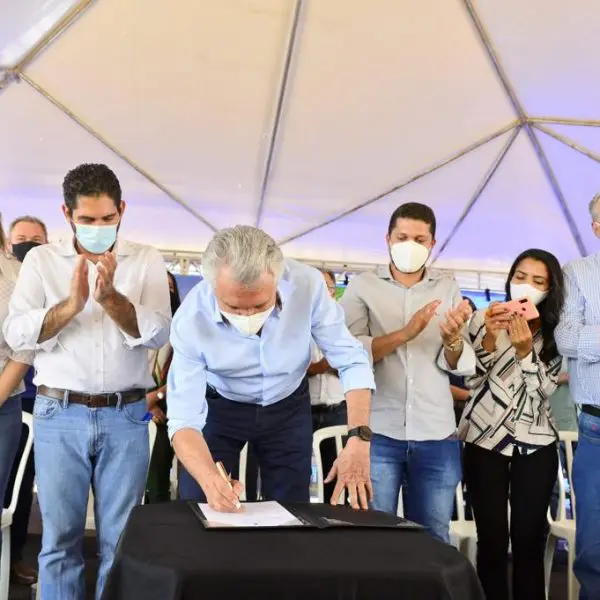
(365, 433)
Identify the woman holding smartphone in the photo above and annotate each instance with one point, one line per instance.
(510, 449)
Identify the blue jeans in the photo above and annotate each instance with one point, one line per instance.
(586, 483)
(281, 435)
(10, 434)
(428, 473)
(76, 447)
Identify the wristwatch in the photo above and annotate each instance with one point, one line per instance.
(160, 396)
(363, 432)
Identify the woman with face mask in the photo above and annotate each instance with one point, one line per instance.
(158, 486)
(510, 449)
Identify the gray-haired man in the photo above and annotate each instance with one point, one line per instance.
(242, 346)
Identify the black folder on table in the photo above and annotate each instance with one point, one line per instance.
(309, 515)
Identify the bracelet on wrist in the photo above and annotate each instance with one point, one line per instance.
(454, 346)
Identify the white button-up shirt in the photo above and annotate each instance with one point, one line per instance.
(325, 389)
(9, 270)
(91, 354)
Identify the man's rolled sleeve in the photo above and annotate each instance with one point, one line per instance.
(153, 311)
(186, 382)
(342, 351)
(465, 365)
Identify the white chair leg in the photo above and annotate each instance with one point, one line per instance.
(548, 561)
(572, 580)
(5, 563)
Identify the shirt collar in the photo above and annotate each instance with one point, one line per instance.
(67, 247)
(385, 272)
(284, 291)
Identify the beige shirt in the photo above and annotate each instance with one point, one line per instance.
(413, 399)
(9, 269)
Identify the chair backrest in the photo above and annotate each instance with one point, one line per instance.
(336, 432)
(28, 421)
(568, 439)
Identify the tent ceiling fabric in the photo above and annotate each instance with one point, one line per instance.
(182, 100)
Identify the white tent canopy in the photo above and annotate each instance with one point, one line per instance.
(311, 118)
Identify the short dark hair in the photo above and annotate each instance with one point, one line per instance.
(29, 219)
(91, 180)
(415, 211)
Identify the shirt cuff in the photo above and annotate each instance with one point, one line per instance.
(173, 426)
(24, 332)
(25, 358)
(528, 364)
(588, 349)
(357, 378)
(367, 343)
(150, 326)
(465, 365)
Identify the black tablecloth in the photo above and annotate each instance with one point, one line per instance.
(166, 554)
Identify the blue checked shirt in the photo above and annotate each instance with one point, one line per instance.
(578, 333)
(258, 369)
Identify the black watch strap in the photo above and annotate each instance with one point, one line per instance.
(363, 432)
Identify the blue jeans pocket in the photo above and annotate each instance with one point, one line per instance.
(45, 408)
(589, 427)
(135, 412)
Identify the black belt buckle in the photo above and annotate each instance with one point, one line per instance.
(591, 409)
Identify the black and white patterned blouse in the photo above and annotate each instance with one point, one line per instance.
(509, 397)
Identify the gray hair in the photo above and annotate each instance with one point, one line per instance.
(249, 253)
(32, 220)
(594, 208)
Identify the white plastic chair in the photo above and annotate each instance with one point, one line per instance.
(90, 522)
(336, 432)
(562, 527)
(463, 533)
(8, 513)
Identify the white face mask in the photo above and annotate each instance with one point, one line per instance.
(409, 257)
(248, 324)
(524, 290)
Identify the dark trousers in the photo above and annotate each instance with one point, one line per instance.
(489, 475)
(328, 416)
(281, 435)
(158, 485)
(20, 524)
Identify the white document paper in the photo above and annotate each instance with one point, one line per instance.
(254, 514)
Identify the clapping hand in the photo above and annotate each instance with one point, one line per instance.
(106, 267)
(455, 319)
(421, 319)
(80, 288)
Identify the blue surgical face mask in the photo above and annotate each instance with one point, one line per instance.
(96, 239)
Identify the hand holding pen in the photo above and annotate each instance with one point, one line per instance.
(223, 493)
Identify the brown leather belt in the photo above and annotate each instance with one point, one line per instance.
(93, 400)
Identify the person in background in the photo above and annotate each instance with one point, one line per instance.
(24, 234)
(158, 486)
(13, 367)
(91, 307)
(578, 339)
(242, 341)
(411, 319)
(510, 439)
(327, 397)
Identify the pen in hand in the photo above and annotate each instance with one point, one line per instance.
(223, 473)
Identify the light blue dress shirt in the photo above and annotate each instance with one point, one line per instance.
(578, 333)
(258, 369)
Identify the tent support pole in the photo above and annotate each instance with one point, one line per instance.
(478, 192)
(147, 176)
(564, 121)
(435, 167)
(281, 96)
(524, 119)
(568, 142)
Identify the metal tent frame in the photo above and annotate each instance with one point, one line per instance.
(532, 126)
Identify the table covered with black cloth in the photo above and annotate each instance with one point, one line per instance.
(166, 554)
